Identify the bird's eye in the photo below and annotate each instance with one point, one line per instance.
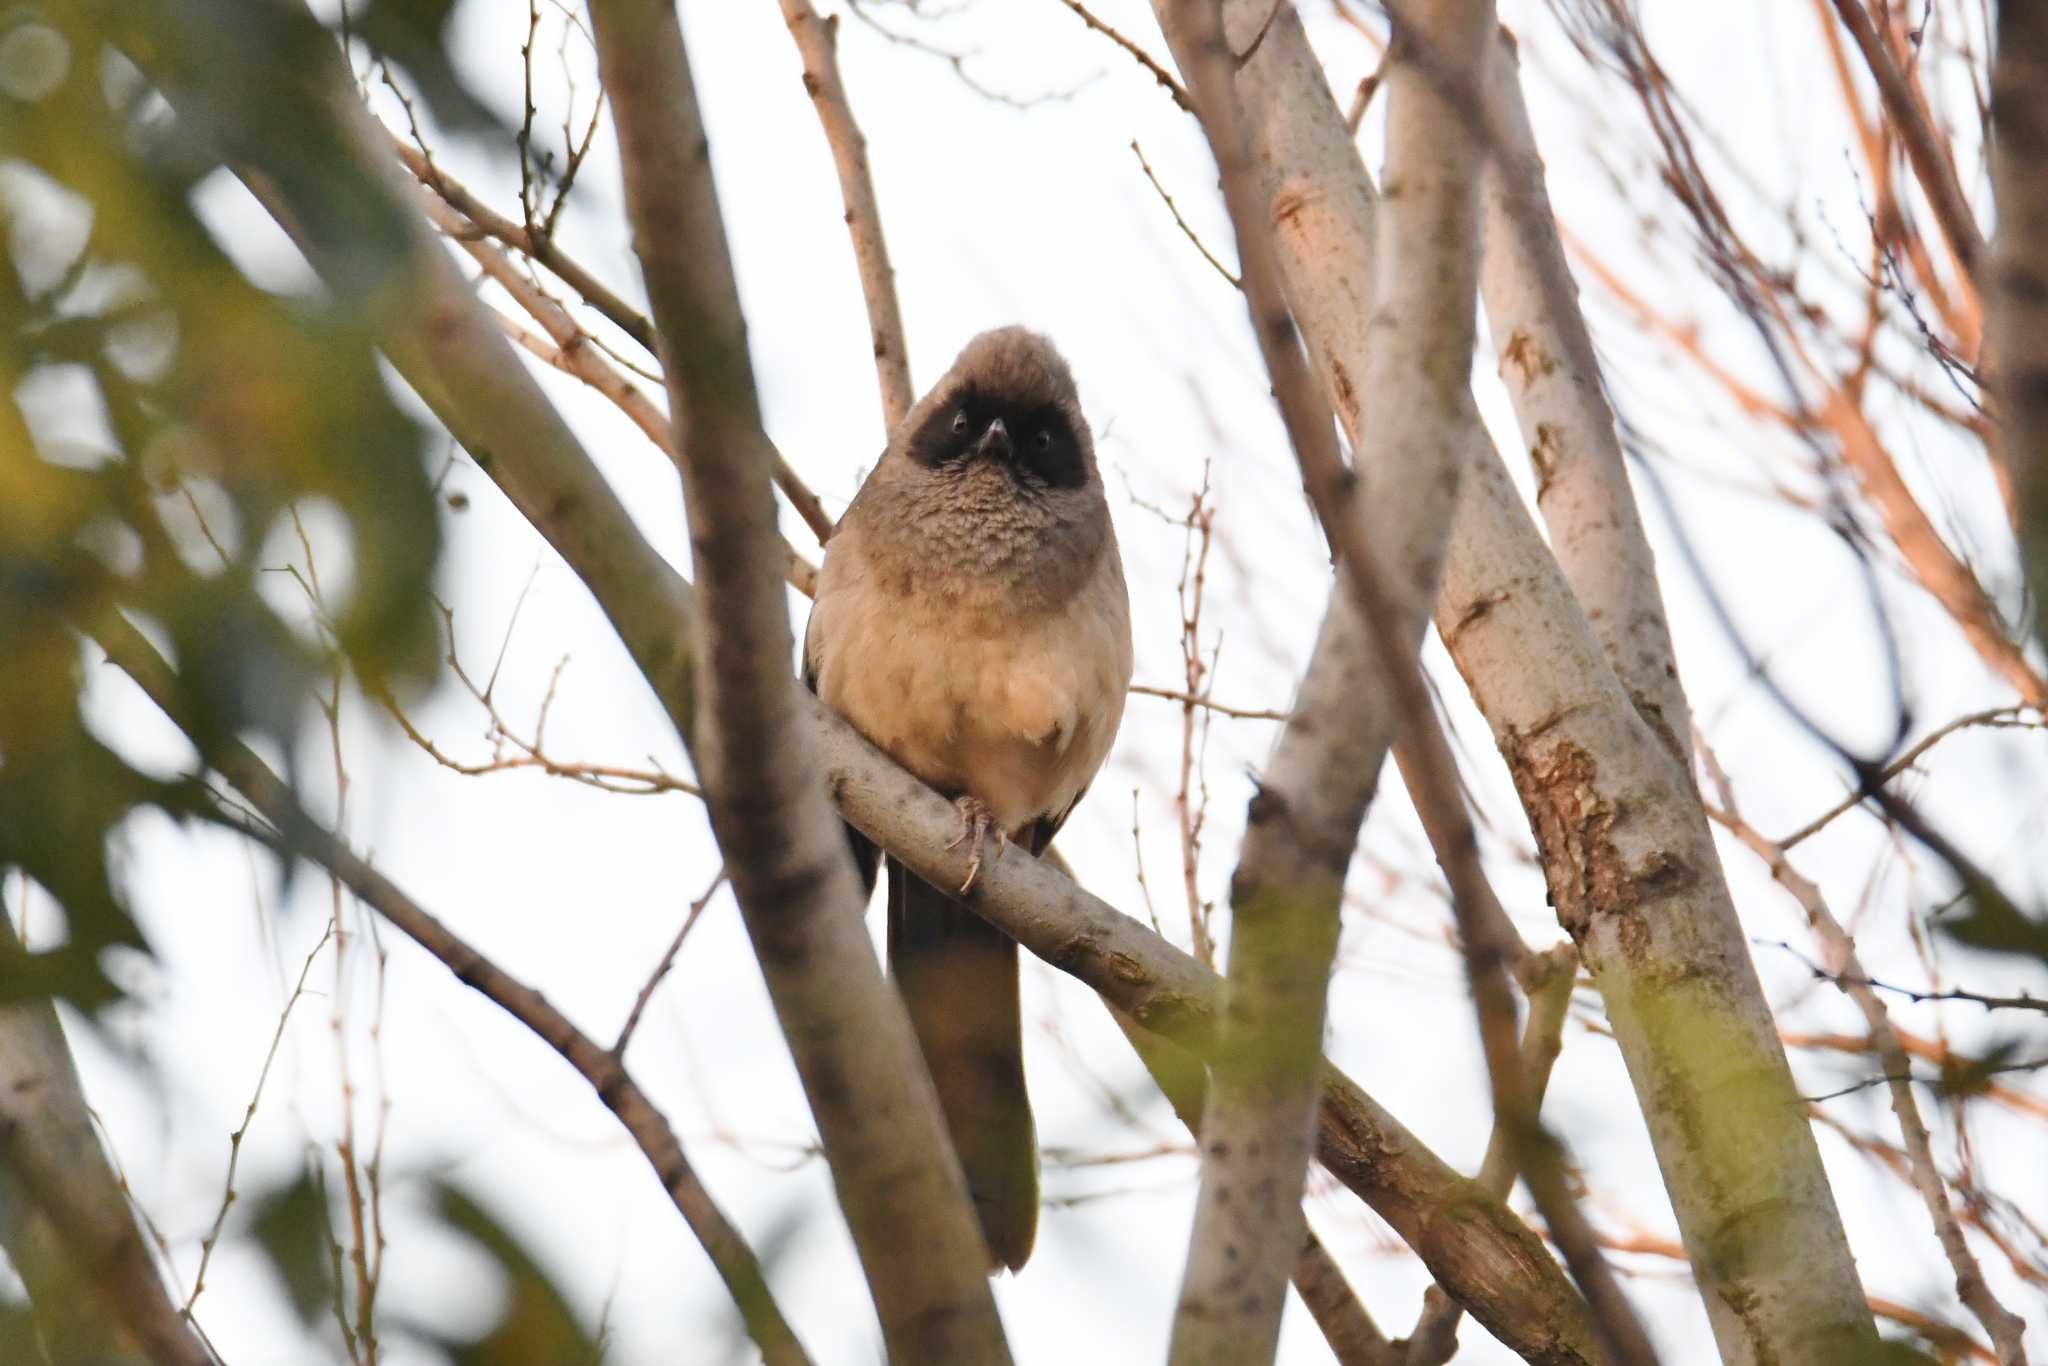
(1044, 439)
(960, 422)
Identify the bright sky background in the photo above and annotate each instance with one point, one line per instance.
(997, 214)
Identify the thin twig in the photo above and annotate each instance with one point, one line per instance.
(1143, 58)
(1206, 702)
(817, 41)
(227, 1199)
(1182, 223)
(661, 969)
(292, 831)
(2005, 1327)
(1995, 716)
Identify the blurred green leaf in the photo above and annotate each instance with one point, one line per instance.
(538, 1328)
(198, 413)
(413, 34)
(1994, 923)
(292, 1229)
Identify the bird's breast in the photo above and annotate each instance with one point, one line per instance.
(1016, 710)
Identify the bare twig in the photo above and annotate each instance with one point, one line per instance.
(572, 354)
(1924, 148)
(293, 832)
(543, 250)
(661, 969)
(227, 1199)
(1143, 58)
(1208, 703)
(2005, 1327)
(1182, 223)
(1994, 716)
(817, 43)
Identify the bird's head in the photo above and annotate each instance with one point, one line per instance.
(1009, 402)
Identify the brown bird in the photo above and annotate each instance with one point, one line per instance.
(971, 620)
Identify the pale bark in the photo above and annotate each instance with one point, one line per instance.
(1546, 359)
(1353, 1338)
(1631, 865)
(64, 1219)
(2018, 295)
(786, 854)
(817, 42)
(1301, 827)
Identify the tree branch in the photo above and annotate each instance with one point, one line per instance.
(1350, 1332)
(1924, 148)
(64, 1221)
(1625, 844)
(297, 833)
(817, 42)
(1846, 969)
(785, 853)
(1546, 359)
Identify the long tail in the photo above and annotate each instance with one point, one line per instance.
(958, 976)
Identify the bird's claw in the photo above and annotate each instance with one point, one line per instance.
(976, 820)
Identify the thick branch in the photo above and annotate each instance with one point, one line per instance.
(785, 853)
(1631, 865)
(1846, 970)
(1354, 1339)
(1546, 360)
(299, 834)
(64, 1221)
(817, 42)
(1300, 830)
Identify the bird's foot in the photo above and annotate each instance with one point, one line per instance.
(976, 821)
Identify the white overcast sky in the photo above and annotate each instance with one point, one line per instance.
(997, 214)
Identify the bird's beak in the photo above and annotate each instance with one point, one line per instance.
(995, 442)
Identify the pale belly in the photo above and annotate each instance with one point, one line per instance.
(1020, 719)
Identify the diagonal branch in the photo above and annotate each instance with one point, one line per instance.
(1627, 853)
(574, 352)
(64, 1221)
(296, 833)
(1926, 149)
(786, 855)
(1546, 359)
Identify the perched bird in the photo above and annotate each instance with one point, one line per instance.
(971, 620)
